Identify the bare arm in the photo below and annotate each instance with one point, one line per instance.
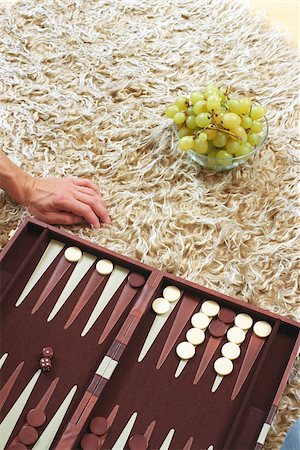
(54, 200)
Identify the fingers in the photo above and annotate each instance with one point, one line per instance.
(88, 191)
(96, 205)
(86, 183)
(58, 217)
(84, 210)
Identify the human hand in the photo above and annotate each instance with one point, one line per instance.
(65, 201)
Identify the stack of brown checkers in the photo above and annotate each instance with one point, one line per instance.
(99, 426)
(162, 305)
(138, 442)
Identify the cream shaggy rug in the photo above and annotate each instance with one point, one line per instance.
(83, 89)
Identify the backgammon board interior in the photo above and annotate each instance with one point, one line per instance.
(116, 359)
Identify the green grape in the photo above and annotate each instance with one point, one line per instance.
(186, 143)
(256, 126)
(201, 147)
(239, 133)
(202, 137)
(244, 150)
(211, 134)
(246, 122)
(171, 111)
(218, 117)
(231, 120)
(203, 120)
(179, 118)
(245, 106)
(185, 131)
(195, 96)
(182, 103)
(210, 89)
(234, 105)
(232, 146)
(220, 140)
(191, 122)
(199, 107)
(257, 112)
(254, 138)
(223, 93)
(224, 157)
(211, 146)
(213, 103)
(190, 111)
(211, 159)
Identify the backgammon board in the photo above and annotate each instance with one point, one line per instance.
(99, 351)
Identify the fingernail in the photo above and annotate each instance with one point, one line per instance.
(107, 220)
(97, 226)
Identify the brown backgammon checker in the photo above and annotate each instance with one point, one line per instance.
(138, 442)
(17, 446)
(89, 442)
(28, 435)
(99, 426)
(98, 380)
(36, 417)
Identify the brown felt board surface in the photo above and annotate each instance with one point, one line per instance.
(24, 335)
(192, 410)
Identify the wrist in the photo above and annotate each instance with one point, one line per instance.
(17, 184)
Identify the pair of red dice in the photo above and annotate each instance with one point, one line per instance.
(45, 361)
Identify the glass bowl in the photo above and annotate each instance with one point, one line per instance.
(218, 164)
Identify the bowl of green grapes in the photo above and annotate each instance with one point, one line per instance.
(218, 130)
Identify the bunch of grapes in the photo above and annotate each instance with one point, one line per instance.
(213, 123)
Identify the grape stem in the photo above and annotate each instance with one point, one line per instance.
(223, 130)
